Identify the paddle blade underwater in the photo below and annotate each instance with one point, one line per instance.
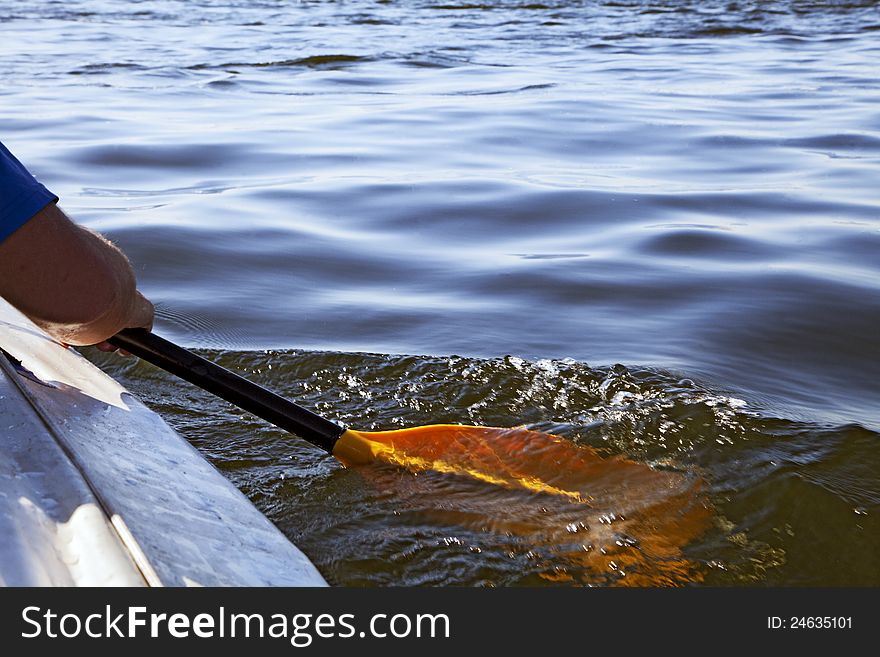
(515, 457)
(601, 520)
(670, 510)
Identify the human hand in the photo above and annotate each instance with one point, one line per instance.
(141, 316)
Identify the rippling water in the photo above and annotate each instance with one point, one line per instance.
(650, 227)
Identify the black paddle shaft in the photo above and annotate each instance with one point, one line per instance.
(229, 386)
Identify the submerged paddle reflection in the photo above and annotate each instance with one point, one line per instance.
(589, 519)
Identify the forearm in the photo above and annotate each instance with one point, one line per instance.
(71, 282)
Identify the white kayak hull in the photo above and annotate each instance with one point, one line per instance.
(96, 489)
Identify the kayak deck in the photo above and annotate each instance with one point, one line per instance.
(96, 489)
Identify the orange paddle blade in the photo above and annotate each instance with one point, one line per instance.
(604, 520)
(516, 458)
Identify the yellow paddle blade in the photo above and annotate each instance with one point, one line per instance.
(517, 458)
(603, 520)
(505, 457)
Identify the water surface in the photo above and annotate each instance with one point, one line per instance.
(650, 227)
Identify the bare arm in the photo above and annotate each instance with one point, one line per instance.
(71, 282)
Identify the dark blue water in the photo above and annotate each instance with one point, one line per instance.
(687, 189)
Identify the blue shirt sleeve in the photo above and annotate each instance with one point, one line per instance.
(21, 196)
